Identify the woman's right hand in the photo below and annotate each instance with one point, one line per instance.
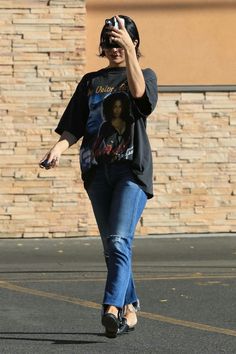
(51, 159)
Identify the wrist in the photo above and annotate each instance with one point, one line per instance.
(130, 50)
(60, 147)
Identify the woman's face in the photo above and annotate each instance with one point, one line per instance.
(117, 109)
(116, 56)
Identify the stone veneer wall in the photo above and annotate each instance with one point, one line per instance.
(193, 136)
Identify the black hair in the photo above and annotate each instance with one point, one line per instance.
(131, 29)
(108, 104)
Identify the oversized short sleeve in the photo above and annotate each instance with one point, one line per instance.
(75, 115)
(146, 104)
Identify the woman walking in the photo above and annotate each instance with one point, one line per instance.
(109, 109)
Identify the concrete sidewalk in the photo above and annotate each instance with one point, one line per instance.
(51, 290)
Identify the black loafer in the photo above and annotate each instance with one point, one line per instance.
(111, 324)
(124, 327)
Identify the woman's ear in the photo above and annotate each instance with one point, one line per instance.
(135, 42)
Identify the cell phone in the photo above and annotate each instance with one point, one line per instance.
(122, 20)
(113, 22)
(45, 164)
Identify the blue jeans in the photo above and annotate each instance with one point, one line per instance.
(118, 202)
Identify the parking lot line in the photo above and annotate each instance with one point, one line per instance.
(90, 304)
(137, 278)
(189, 324)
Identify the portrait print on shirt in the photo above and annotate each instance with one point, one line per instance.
(109, 128)
(115, 137)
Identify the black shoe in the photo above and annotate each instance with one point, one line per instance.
(124, 327)
(111, 324)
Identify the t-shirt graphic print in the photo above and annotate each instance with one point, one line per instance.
(115, 137)
(110, 126)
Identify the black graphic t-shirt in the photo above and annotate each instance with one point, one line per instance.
(112, 123)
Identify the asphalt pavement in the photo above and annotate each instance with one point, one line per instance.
(51, 290)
